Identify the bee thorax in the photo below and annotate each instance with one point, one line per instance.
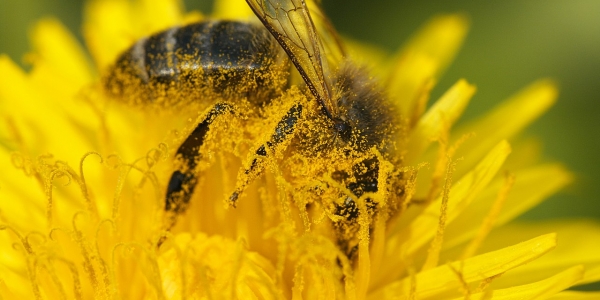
(363, 108)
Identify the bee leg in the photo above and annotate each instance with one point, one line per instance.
(183, 181)
(284, 128)
(365, 180)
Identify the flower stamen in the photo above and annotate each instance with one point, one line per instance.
(433, 253)
(488, 222)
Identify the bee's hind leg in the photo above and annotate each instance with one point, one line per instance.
(283, 130)
(183, 181)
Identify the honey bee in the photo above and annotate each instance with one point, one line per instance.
(249, 62)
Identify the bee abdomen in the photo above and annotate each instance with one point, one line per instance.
(229, 58)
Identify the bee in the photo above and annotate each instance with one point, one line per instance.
(249, 62)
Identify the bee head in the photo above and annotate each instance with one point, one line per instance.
(342, 129)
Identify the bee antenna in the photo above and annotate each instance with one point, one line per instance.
(332, 143)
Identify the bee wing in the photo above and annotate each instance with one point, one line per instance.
(333, 46)
(290, 23)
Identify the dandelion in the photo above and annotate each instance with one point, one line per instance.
(84, 178)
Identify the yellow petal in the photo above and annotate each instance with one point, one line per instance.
(107, 30)
(157, 15)
(438, 118)
(527, 153)
(574, 295)
(201, 267)
(408, 239)
(56, 47)
(114, 25)
(592, 275)
(539, 290)
(5, 291)
(61, 72)
(231, 10)
(547, 179)
(23, 216)
(423, 59)
(42, 126)
(504, 122)
(443, 280)
(440, 38)
(462, 192)
(371, 56)
(578, 244)
(11, 263)
(16, 185)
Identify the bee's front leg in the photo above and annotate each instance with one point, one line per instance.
(283, 132)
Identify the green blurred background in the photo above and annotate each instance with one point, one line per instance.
(511, 44)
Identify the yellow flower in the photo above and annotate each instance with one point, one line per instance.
(84, 177)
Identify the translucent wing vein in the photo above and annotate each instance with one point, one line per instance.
(290, 23)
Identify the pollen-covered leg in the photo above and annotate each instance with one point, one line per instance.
(183, 181)
(363, 179)
(284, 129)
